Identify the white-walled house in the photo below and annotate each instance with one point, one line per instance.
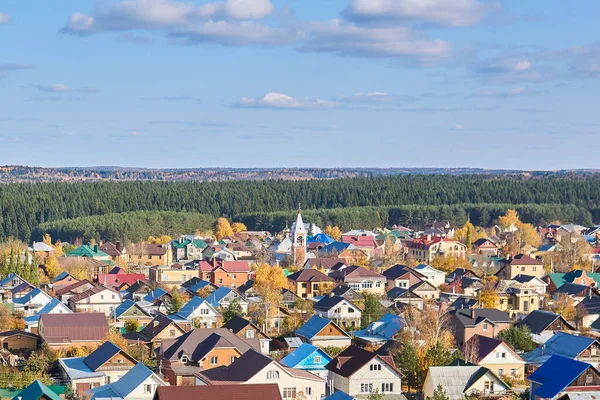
(359, 372)
(138, 384)
(253, 367)
(98, 299)
(340, 310)
(462, 381)
(431, 275)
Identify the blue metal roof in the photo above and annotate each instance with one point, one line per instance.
(101, 355)
(296, 357)
(339, 395)
(199, 285)
(190, 307)
(215, 297)
(381, 330)
(9, 278)
(123, 307)
(60, 276)
(27, 298)
(313, 326)
(335, 247)
(77, 369)
(320, 238)
(556, 374)
(562, 344)
(132, 379)
(155, 294)
(47, 309)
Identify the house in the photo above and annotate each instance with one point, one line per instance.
(120, 281)
(98, 299)
(36, 391)
(340, 310)
(129, 310)
(517, 299)
(463, 381)
(239, 250)
(485, 247)
(347, 292)
(359, 373)
(245, 329)
(567, 345)
(347, 251)
(405, 297)
(76, 329)
(431, 275)
(154, 301)
(495, 355)
(325, 265)
(461, 273)
(138, 291)
(562, 375)
(366, 243)
(32, 302)
(401, 276)
(18, 341)
(108, 363)
(172, 276)
(223, 296)
(425, 290)
(160, 328)
(310, 283)
(309, 358)
(96, 266)
(194, 285)
(578, 277)
(231, 274)
(62, 280)
(483, 321)
(253, 367)
(150, 254)
(201, 348)
(9, 283)
(465, 285)
(269, 391)
(544, 324)
(589, 309)
(361, 279)
(116, 251)
(200, 312)
(323, 332)
(520, 264)
(379, 332)
(139, 383)
(93, 252)
(53, 307)
(65, 293)
(186, 249)
(426, 248)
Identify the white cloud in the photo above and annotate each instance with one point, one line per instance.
(280, 101)
(234, 33)
(248, 9)
(60, 88)
(4, 18)
(454, 13)
(512, 92)
(344, 38)
(135, 133)
(504, 65)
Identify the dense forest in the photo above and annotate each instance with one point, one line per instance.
(408, 199)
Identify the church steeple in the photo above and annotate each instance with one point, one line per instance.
(298, 234)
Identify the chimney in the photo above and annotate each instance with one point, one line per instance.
(429, 237)
(118, 245)
(472, 313)
(95, 248)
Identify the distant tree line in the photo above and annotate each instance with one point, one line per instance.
(24, 206)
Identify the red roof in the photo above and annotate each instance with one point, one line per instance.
(61, 328)
(116, 280)
(262, 391)
(360, 241)
(228, 266)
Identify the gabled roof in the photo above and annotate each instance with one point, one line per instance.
(76, 326)
(61, 276)
(157, 325)
(103, 354)
(215, 297)
(522, 259)
(237, 323)
(6, 281)
(398, 292)
(263, 391)
(470, 318)
(300, 354)
(562, 344)
(116, 280)
(329, 302)
(86, 251)
(313, 326)
(556, 374)
(381, 330)
(339, 395)
(354, 358)
(309, 275)
(325, 263)
(188, 309)
(47, 309)
(356, 271)
(456, 380)
(30, 296)
(122, 388)
(73, 286)
(125, 306)
(338, 247)
(399, 270)
(36, 391)
(320, 238)
(483, 346)
(90, 292)
(155, 295)
(539, 320)
(241, 370)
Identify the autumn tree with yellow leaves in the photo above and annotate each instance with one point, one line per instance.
(164, 239)
(333, 232)
(268, 283)
(223, 228)
(238, 227)
(53, 268)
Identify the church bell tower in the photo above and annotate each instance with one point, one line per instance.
(298, 236)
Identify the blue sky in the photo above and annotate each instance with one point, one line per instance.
(270, 83)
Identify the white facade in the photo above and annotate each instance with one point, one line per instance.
(105, 301)
(375, 375)
(205, 316)
(432, 275)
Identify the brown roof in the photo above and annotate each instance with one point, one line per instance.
(157, 325)
(263, 391)
(360, 272)
(60, 328)
(148, 249)
(74, 286)
(66, 262)
(309, 275)
(110, 249)
(325, 263)
(522, 259)
(354, 358)
(89, 292)
(17, 332)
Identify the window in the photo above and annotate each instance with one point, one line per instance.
(367, 285)
(289, 393)
(214, 360)
(350, 309)
(204, 311)
(113, 296)
(503, 355)
(317, 359)
(272, 374)
(101, 297)
(308, 391)
(120, 361)
(497, 355)
(377, 284)
(387, 387)
(233, 276)
(485, 326)
(375, 367)
(500, 371)
(250, 334)
(220, 280)
(487, 385)
(533, 269)
(523, 269)
(172, 333)
(513, 372)
(589, 378)
(183, 278)
(147, 388)
(366, 387)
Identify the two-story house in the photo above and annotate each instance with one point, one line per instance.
(323, 332)
(245, 329)
(337, 308)
(200, 312)
(483, 321)
(359, 372)
(308, 283)
(564, 378)
(494, 354)
(309, 358)
(431, 275)
(361, 279)
(520, 264)
(401, 276)
(171, 276)
(98, 299)
(150, 254)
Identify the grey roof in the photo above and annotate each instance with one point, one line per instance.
(480, 314)
(101, 355)
(241, 370)
(539, 320)
(453, 379)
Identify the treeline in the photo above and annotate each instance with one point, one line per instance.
(129, 227)
(24, 206)
(416, 216)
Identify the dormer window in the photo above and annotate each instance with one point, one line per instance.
(272, 375)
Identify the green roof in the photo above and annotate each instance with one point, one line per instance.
(560, 279)
(180, 245)
(36, 390)
(200, 243)
(86, 251)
